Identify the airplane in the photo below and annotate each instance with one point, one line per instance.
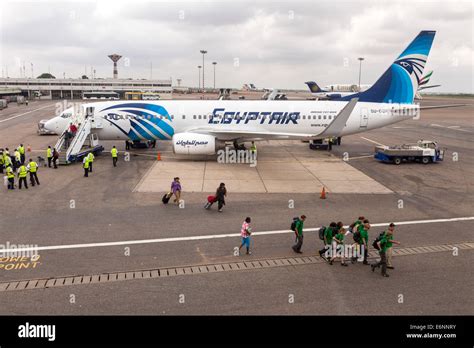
(334, 91)
(337, 91)
(200, 127)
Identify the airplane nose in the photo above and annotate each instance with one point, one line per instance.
(51, 125)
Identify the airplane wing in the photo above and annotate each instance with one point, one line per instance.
(334, 129)
(441, 106)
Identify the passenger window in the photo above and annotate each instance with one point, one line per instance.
(204, 116)
(324, 117)
(194, 116)
(184, 117)
(319, 117)
(199, 116)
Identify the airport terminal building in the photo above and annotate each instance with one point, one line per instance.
(75, 88)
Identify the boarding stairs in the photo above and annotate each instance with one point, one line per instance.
(84, 142)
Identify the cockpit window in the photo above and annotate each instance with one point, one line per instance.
(66, 115)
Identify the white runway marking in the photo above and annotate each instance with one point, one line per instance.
(456, 128)
(373, 141)
(26, 113)
(215, 236)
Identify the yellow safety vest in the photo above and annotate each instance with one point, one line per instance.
(33, 167)
(17, 155)
(49, 153)
(22, 172)
(91, 157)
(8, 161)
(21, 149)
(10, 173)
(86, 163)
(114, 152)
(253, 148)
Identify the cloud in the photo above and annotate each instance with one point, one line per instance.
(278, 44)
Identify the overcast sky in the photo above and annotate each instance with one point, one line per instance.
(272, 44)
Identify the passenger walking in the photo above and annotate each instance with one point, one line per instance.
(338, 247)
(49, 156)
(245, 233)
(22, 172)
(32, 167)
(361, 237)
(21, 150)
(55, 158)
(383, 245)
(10, 177)
(114, 153)
(127, 145)
(299, 234)
(176, 189)
(85, 165)
(353, 227)
(390, 242)
(328, 233)
(221, 193)
(91, 159)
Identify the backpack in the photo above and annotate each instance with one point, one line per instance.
(293, 224)
(378, 239)
(321, 232)
(357, 237)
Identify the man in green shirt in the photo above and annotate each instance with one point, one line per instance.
(328, 233)
(299, 235)
(363, 239)
(383, 246)
(390, 243)
(338, 246)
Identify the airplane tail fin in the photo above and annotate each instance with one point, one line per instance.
(400, 82)
(313, 87)
(425, 79)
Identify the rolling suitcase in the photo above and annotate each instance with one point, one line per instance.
(166, 198)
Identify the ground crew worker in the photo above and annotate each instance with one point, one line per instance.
(91, 158)
(49, 156)
(11, 178)
(33, 169)
(55, 158)
(114, 153)
(17, 156)
(85, 165)
(2, 161)
(7, 159)
(390, 243)
(253, 150)
(329, 144)
(22, 172)
(299, 234)
(383, 245)
(21, 150)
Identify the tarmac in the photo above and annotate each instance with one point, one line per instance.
(121, 208)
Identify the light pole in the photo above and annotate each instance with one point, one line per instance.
(199, 80)
(360, 68)
(203, 53)
(214, 63)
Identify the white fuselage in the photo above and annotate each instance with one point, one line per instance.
(297, 118)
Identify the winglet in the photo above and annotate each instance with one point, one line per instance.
(335, 127)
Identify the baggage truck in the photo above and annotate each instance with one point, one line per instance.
(424, 151)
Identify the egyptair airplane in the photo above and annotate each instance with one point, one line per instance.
(202, 126)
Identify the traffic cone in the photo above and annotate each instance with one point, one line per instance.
(323, 193)
(158, 157)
